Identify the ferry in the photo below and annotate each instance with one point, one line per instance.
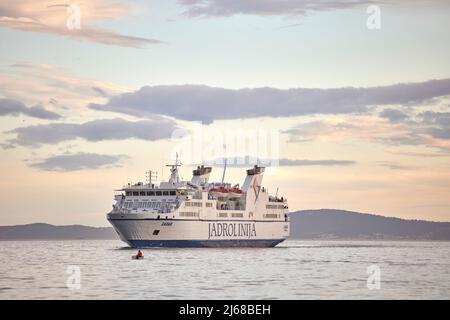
(199, 213)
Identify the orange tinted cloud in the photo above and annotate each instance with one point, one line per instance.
(53, 16)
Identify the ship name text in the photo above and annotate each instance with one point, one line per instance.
(224, 229)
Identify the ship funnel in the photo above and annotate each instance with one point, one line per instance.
(200, 175)
(253, 179)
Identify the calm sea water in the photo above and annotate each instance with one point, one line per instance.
(293, 270)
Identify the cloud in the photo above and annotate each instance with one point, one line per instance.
(79, 161)
(100, 91)
(206, 104)
(332, 162)
(394, 115)
(432, 132)
(96, 130)
(248, 161)
(52, 17)
(14, 108)
(437, 123)
(55, 86)
(213, 8)
(394, 166)
(292, 8)
(420, 154)
(366, 128)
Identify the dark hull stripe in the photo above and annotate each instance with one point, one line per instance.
(203, 243)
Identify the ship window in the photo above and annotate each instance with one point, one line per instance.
(142, 193)
(209, 204)
(158, 193)
(135, 193)
(223, 214)
(173, 193)
(156, 232)
(165, 193)
(150, 193)
(128, 193)
(193, 204)
(188, 214)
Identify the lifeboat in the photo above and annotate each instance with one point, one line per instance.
(234, 192)
(219, 193)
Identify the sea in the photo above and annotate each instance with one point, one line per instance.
(104, 269)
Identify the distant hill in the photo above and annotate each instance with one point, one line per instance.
(339, 224)
(306, 224)
(43, 231)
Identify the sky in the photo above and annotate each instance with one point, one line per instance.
(346, 102)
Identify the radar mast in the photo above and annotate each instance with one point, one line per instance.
(174, 177)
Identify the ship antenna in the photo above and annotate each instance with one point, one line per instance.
(151, 176)
(276, 194)
(177, 162)
(225, 163)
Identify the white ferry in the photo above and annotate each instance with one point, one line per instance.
(199, 213)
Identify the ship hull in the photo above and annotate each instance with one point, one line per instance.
(183, 233)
